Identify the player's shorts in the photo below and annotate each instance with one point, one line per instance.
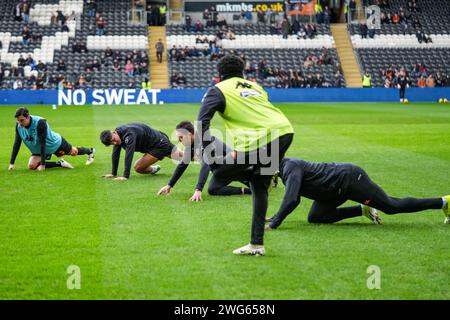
(163, 149)
(64, 148)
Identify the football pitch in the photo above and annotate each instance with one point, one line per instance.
(129, 243)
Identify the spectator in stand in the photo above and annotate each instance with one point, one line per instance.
(222, 22)
(174, 80)
(230, 35)
(438, 79)
(116, 65)
(40, 82)
(337, 81)
(21, 61)
(285, 28)
(18, 85)
(100, 26)
(326, 15)
(421, 83)
(403, 19)
(260, 16)
(159, 46)
(129, 68)
(310, 30)
(60, 18)
(188, 23)
(430, 81)
(17, 13)
(91, 8)
(395, 18)
(118, 55)
(108, 52)
(26, 35)
(371, 31)
(41, 67)
(199, 26)
(25, 12)
(318, 81)
(363, 30)
(301, 33)
(422, 69)
(61, 66)
(29, 60)
(206, 16)
(352, 7)
(181, 81)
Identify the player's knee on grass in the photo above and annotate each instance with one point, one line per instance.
(213, 191)
(33, 163)
(33, 166)
(139, 168)
(73, 152)
(312, 218)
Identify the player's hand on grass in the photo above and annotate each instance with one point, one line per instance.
(120, 179)
(11, 167)
(164, 190)
(197, 196)
(108, 176)
(41, 167)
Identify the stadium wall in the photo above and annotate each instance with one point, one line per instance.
(157, 96)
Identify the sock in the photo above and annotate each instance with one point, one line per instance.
(49, 165)
(82, 150)
(246, 191)
(444, 202)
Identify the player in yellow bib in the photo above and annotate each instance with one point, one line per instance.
(258, 133)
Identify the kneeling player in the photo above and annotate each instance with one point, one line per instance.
(332, 184)
(217, 186)
(35, 132)
(154, 144)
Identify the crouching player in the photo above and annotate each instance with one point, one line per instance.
(138, 137)
(35, 132)
(217, 186)
(332, 184)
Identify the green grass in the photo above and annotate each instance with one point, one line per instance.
(131, 244)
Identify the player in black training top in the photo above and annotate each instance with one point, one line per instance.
(217, 186)
(402, 83)
(332, 184)
(138, 137)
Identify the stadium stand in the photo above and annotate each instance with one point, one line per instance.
(73, 37)
(195, 53)
(414, 37)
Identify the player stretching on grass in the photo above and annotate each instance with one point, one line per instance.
(154, 144)
(332, 184)
(43, 142)
(260, 136)
(217, 186)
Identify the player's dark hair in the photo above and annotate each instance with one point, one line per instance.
(230, 66)
(106, 137)
(186, 125)
(22, 112)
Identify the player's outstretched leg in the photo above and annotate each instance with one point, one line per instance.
(369, 193)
